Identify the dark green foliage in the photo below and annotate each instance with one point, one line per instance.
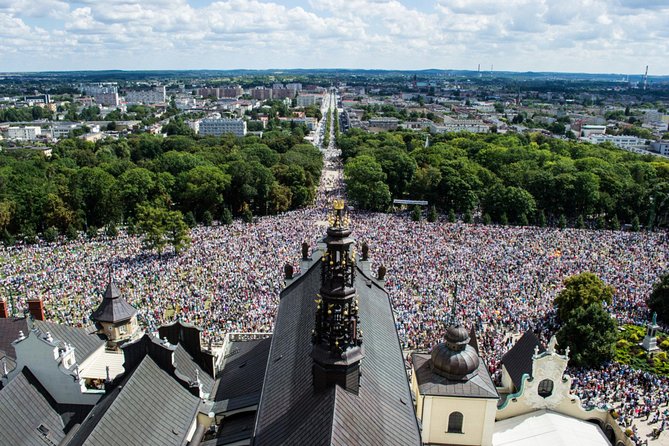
(518, 175)
(451, 216)
(600, 223)
(189, 219)
(580, 291)
(580, 223)
(635, 224)
(159, 227)
(432, 214)
(587, 328)
(71, 233)
(615, 224)
(541, 219)
(247, 215)
(416, 214)
(503, 219)
(50, 235)
(590, 333)
(207, 218)
(91, 232)
(226, 216)
(110, 230)
(468, 218)
(487, 219)
(85, 184)
(522, 220)
(562, 222)
(659, 299)
(7, 238)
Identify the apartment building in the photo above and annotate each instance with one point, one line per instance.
(218, 127)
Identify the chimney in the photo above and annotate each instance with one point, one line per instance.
(4, 312)
(36, 308)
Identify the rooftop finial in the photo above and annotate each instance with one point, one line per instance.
(454, 320)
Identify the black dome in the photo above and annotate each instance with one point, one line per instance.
(453, 364)
(457, 338)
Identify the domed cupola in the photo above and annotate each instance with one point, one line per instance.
(455, 358)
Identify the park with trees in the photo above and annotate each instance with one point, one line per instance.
(508, 178)
(129, 181)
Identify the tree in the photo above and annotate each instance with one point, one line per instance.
(416, 214)
(562, 222)
(50, 235)
(366, 185)
(451, 216)
(178, 233)
(580, 291)
(635, 224)
(226, 216)
(110, 230)
(150, 224)
(207, 218)
(432, 214)
(590, 333)
(189, 218)
(659, 299)
(580, 222)
(160, 227)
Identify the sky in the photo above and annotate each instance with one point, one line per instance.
(589, 36)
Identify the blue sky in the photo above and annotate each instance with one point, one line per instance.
(596, 36)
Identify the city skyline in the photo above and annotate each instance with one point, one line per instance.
(595, 36)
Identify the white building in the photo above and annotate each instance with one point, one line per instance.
(622, 141)
(661, 147)
(28, 133)
(460, 125)
(157, 95)
(218, 127)
(590, 129)
(305, 100)
(104, 93)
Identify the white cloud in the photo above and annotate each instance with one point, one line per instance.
(569, 35)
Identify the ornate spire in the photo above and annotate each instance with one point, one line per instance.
(336, 337)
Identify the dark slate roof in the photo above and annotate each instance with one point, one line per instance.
(9, 332)
(11, 364)
(235, 428)
(24, 407)
(84, 340)
(291, 412)
(518, 360)
(429, 383)
(150, 408)
(113, 308)
(186, 366)
(240, 382)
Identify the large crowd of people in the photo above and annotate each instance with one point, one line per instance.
(230, 278)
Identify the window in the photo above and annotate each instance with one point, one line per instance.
(455, 423)
(545, 388)
(122, 329)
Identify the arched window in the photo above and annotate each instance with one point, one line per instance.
(455, 423)
(545, 388)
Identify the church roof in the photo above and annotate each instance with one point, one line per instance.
(113, 308)
(26, 416)
(9, 332)
(547, 429)
(480, 385)
(240, 381)
(292, 412)
(150, 408)
(187, 367)
(518, 360)
(84, 340)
